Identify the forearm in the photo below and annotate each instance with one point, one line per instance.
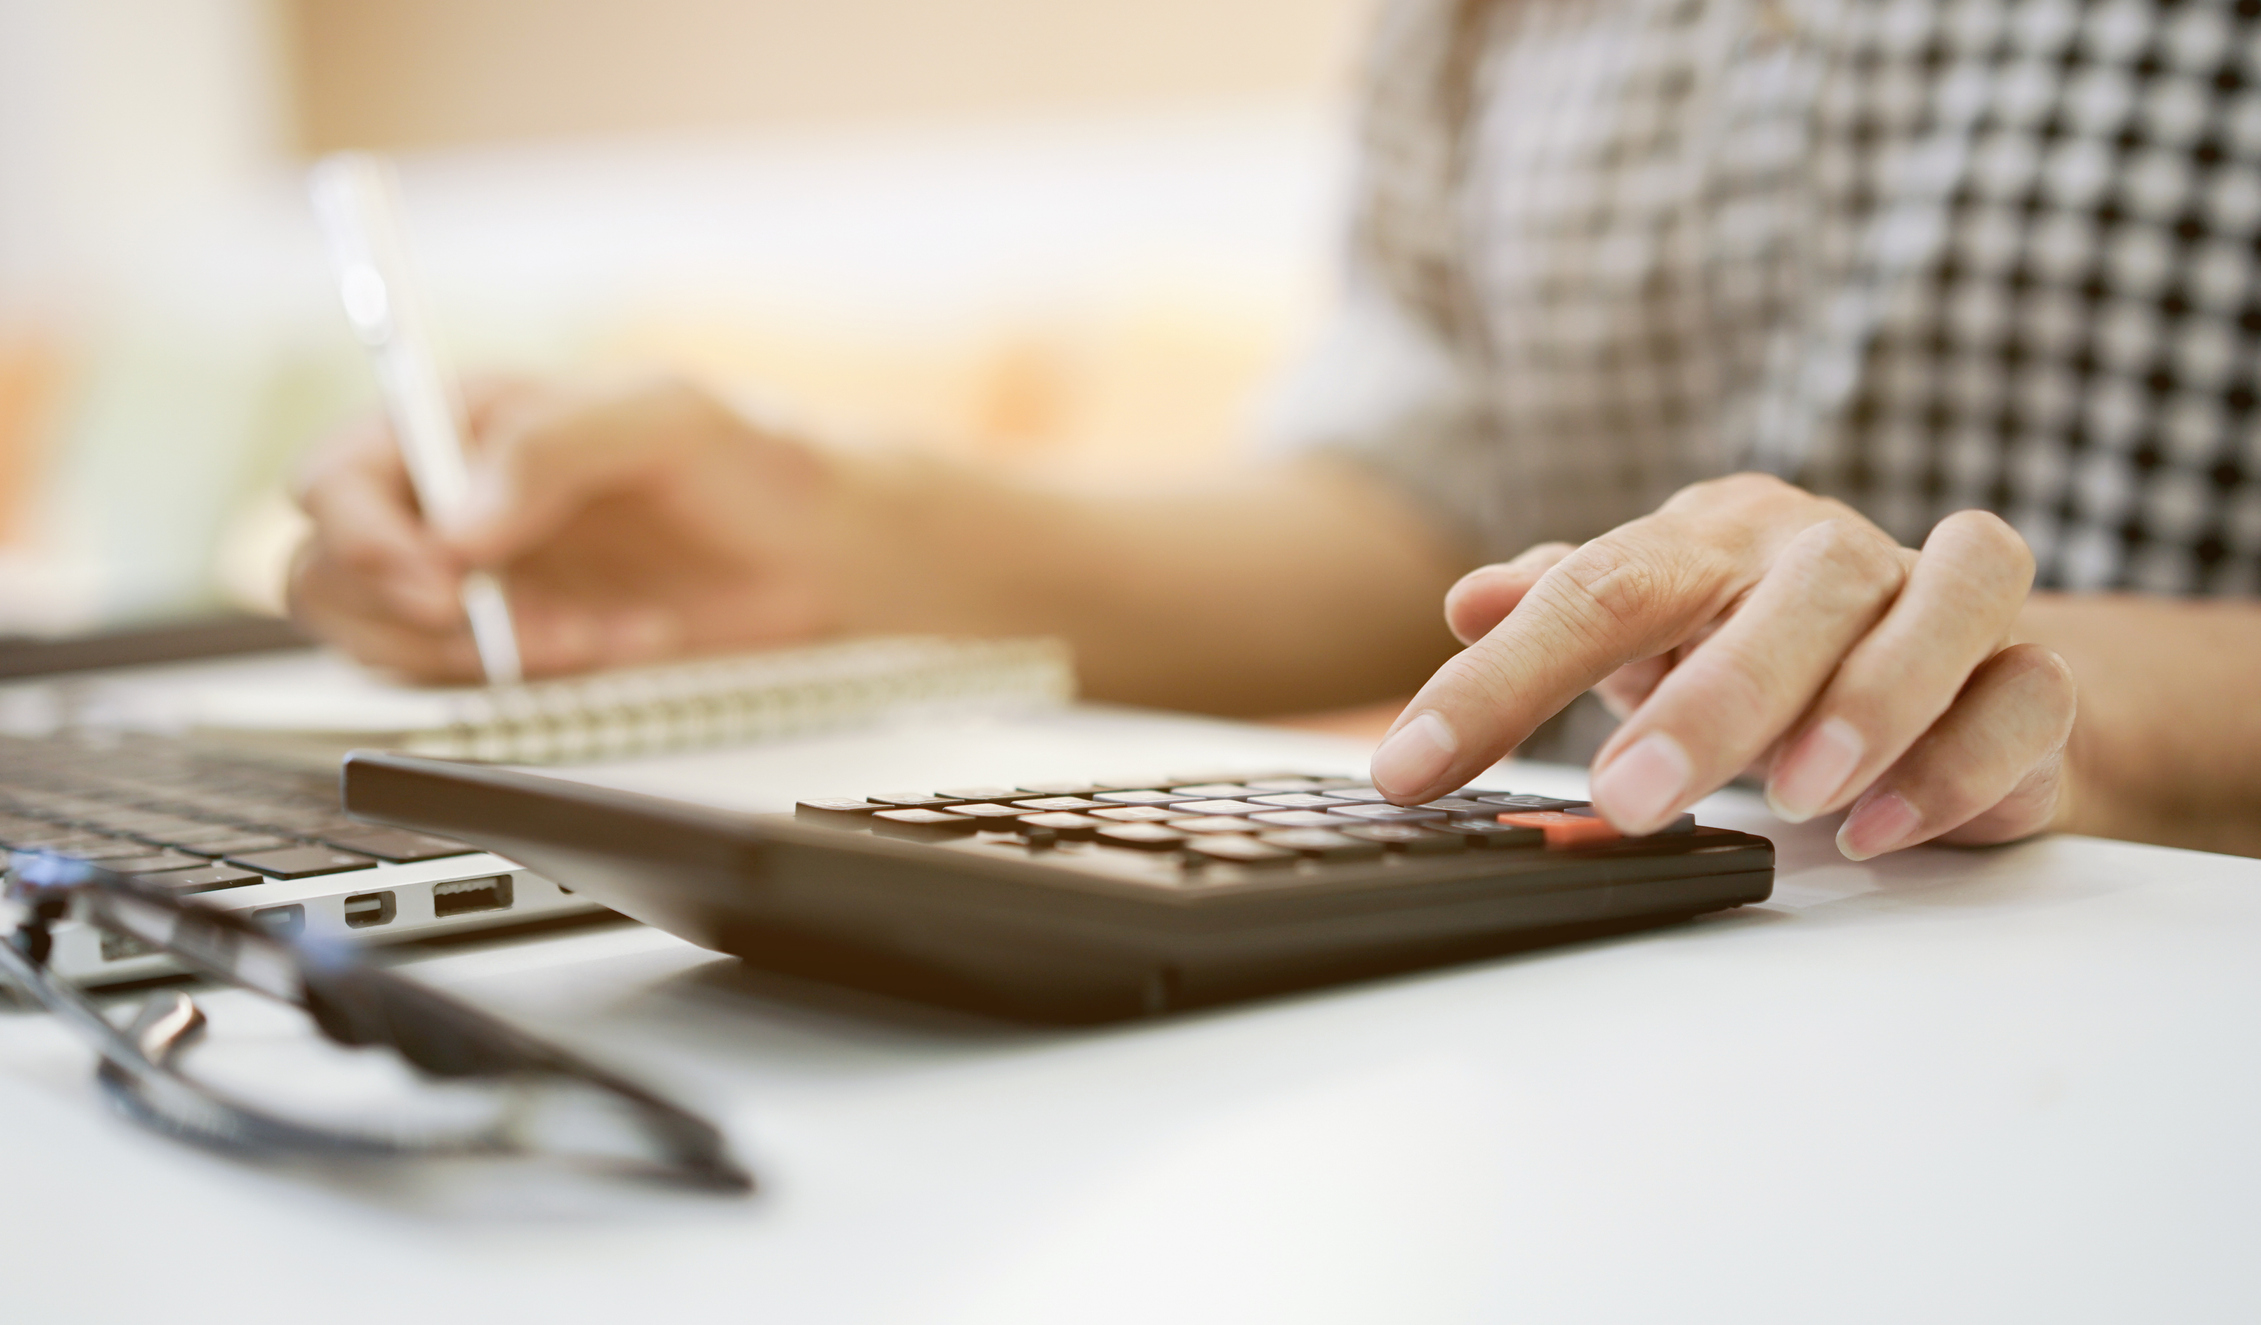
(2167, 744)
(1282, 588)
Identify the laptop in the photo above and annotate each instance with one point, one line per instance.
(263, 836)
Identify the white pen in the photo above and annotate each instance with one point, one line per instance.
(355, 202)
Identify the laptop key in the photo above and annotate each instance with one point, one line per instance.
(301, 862)
(211, 878)
(156, 863)
(397, 845)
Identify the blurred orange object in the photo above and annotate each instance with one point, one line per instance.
(31, 377)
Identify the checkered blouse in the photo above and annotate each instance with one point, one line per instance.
(1920, 255)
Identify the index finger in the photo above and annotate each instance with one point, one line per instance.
(1629, 595)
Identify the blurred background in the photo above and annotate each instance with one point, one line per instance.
(1077, 235)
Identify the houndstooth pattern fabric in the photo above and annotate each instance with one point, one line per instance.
(1921, 255)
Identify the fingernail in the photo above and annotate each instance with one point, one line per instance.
(1815, 771)
(1883, 824)
(1414, 756)
(1644, 786)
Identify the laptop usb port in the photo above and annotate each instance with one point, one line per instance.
(286, 921)
(364, 910)
(465, 896)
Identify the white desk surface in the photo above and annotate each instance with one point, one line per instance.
(2013, 1085)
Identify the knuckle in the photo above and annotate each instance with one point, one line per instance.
(1613, 585)
(1853, 552)
(1984, 538)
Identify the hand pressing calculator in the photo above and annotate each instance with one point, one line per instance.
(1093, 901)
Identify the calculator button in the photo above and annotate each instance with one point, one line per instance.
(1059, 788)
(1137, 814)
(909, 800)
(839, 805)
(1239, 850)
(987, 810)
(1528, 803)
(1356, 796)
(1063, 824)
(1212, 823)
(1564, 829)
(1411, 838)
(1387, 814)
(1296, 800)
(923, 823)
(1291, 783)
(1145, 837)
(1059, 803)
(1686, 823)
(1214, 790)
(980, 794)
(1492, 834)
(1297, 819)
(1459, 805)
(1321, 844)
(1142, 796)
(1218, 807)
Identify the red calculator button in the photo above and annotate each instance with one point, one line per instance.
(1563, 830)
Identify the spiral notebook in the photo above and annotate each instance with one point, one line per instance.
(323, 705)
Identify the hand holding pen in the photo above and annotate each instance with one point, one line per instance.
(354, 199)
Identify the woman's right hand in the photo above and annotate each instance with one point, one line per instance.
(629, 523)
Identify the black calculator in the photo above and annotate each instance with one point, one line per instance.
(1088, 901)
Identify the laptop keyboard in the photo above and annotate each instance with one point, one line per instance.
(187, 819)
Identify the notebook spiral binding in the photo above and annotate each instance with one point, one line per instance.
(725, 701)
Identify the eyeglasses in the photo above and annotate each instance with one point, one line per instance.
(545, 1101)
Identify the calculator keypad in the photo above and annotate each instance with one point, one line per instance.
(1197, 832)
